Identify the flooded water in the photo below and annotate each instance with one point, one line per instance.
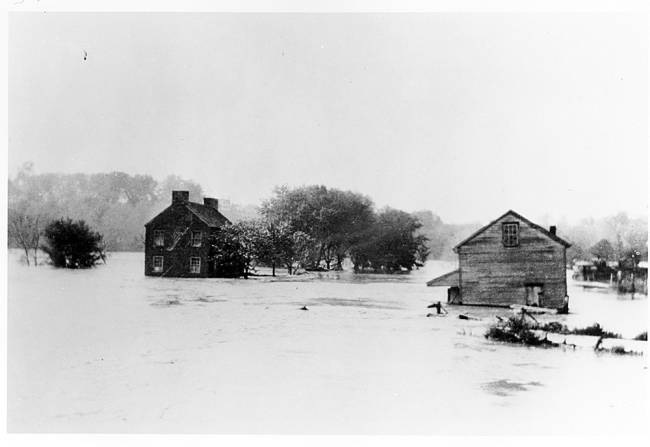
(110, 350)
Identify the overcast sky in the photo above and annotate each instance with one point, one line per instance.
(464, 114)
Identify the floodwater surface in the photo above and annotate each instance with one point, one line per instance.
(110, 350)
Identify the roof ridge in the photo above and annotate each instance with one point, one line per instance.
(200, 207)
(519, 216)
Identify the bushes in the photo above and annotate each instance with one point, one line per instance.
(595, 329)
(554, 326)
(72, 244)
(518, 330)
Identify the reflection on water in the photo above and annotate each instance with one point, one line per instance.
(505, 387)
(239, 356)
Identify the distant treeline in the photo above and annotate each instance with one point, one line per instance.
(117, 205)
(338, 223)
(612, 238)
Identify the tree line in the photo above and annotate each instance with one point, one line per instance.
(117, 205)
(311, 226)
(618, 237)
(317, 228)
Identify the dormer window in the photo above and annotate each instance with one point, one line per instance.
(158, 238)
(510, 234)
(196, 238)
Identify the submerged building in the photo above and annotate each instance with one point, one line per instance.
(177, 239)
(510, 261)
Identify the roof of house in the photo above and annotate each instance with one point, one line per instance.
(448, 279)
(206, 214)
(520, 217)
(211, 216)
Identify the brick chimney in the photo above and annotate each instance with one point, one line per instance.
(213, 203)
(552, 230)
(180, 197)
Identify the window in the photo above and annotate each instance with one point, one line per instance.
(195, 265)
(510, 234)
(196, 238)
(157, 264)
(158, 238)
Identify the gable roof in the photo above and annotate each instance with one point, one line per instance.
(206, 214)
(539, 228)
(448, 279)
(211, 216)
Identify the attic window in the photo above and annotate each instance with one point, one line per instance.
(196, 238)
(510, 234)
(158, 238)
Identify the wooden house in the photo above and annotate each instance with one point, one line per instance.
(177, 239)
(510, 261)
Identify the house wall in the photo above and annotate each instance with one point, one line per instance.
(491, 273)
(177, 261)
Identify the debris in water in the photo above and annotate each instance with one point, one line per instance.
(505, 387)
(438, 307)
(167, 302)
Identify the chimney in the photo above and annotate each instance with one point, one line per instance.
(552, 230)
(212, 203)
(180, 197)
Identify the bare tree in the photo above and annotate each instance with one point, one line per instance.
(25, 232)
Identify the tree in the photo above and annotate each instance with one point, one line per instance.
(227, 252)
(616, 226)
(116, 204)
(299, 253)
(422, 250)
(174, 182)
(25, 232)
(72, 244)
(275, 244)
(603, 250)
(391, 244)
(331, 219)
(250, 236)
(436, 232)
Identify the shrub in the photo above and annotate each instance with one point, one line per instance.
(515, 330)
(72, 244)
(529, 338)
(554, 326)
(596, 330)
(500, 334)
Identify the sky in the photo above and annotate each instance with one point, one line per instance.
(468, 115)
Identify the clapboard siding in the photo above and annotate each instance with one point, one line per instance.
(491, 273)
